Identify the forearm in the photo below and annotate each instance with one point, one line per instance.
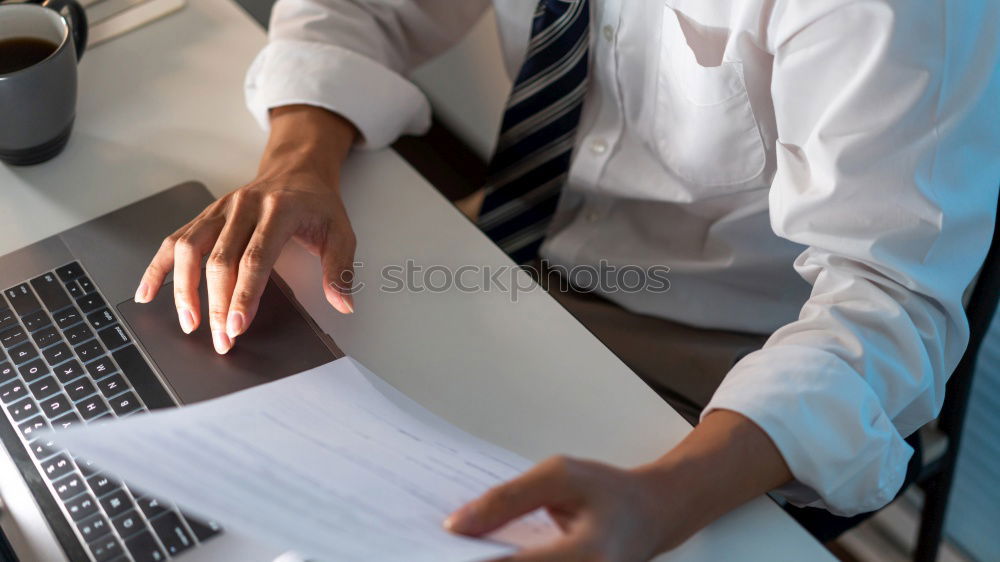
(352, 58)
(724, 462)
(306, 140)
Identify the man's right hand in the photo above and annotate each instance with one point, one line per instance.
(296, 194)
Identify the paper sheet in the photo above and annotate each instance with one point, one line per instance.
(333, 463)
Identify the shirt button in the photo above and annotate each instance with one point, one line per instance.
(609, 32)
(598, 146)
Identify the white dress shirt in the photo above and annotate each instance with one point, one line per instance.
(825, 170)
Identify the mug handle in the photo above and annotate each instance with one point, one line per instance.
(77, 21)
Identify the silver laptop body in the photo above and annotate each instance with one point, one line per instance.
(75, 348)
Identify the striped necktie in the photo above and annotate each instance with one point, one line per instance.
(532, 157)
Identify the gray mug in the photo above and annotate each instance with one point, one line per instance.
(38, 97)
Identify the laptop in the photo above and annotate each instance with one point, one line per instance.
(75, 349)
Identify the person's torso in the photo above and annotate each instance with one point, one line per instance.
(673, 159)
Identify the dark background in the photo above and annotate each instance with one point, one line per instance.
(259, 9)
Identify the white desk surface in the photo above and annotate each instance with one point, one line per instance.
(164, 105)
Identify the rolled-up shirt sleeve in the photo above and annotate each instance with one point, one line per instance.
(352, 57)
(888, 171)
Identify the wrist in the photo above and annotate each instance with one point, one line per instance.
(306, 141)
(724, 462)
(673, 497)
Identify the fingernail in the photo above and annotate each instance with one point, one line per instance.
(140, 293)
(222, 342)
(344, 296)
(234, 324)
(186, 319)
(348, 302)
(458, 521)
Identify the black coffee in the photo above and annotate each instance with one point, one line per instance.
(21, 52)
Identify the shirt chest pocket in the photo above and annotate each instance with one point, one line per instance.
(704, 127)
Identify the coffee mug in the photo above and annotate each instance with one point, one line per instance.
(39, 49)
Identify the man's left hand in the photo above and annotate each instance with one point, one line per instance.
(612, 514)
(605, 513)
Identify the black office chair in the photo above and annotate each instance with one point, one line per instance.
(938, 472)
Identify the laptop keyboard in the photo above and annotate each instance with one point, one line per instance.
(67, 360)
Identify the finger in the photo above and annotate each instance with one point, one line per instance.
(221, 270)
(547, 484)
(254, 270)
(190, 248)
(158, 269)
(337, 255)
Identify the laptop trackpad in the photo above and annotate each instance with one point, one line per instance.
(280, 342)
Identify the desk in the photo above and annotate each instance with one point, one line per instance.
(164, 105)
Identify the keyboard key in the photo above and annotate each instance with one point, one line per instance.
(22, 299)
(106, 549)
(92, 407)
(74, 289)
(7, 371)
(23, 409)
(50, 290)
(143, 548)
(101, 319)
(81, 507)
(203, 530)
(66, 421)
(151, 507)
(13, 336)
(24, 352)
(14, 390)
(101, 368)
(101, 484)
(33, 370)
(44, 387)
(31, 426)
(69, 271)
(46, 337)
(43, 448)
(125, 403)
(69, 486)
(86, 467)
(57, 467)
(143, 378)
(112, 385)
(172, 534)
(78, 334)
(114, 336)
(90, 303)
(7, 318)
(80, 389)
(128, 523)
(55, 406)
(57, 354)
(94, 527)
(86, 284)
(68, 371)
(67, 317)
(89, 350)
(116, 502)
(36, 320)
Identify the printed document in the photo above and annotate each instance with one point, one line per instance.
(332, 463)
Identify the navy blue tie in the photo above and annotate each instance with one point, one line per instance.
(533, 152)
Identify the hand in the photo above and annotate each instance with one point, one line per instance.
(605, 513)
(295, 195)
(612, 514)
